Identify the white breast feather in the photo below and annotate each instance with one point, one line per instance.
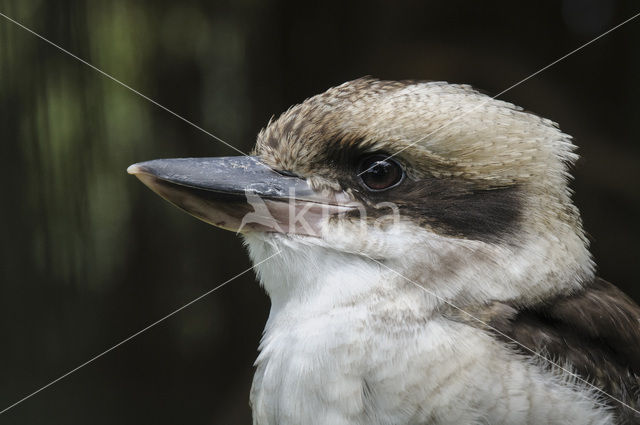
(348, 343)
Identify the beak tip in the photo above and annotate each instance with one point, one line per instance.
(134, 169)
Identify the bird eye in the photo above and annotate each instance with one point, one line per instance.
(379, 172)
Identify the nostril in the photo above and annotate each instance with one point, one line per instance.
(287, 173)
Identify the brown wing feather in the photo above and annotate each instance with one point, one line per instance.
(596, 330)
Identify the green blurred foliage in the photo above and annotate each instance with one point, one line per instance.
(89, 255)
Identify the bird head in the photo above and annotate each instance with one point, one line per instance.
(460, 192)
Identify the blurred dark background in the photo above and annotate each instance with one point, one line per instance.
(89, 255)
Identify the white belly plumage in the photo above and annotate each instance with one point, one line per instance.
(344, 368)
(347, 344)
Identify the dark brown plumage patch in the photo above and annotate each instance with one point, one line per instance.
(447, 205)
(454, 207)
(596, 330)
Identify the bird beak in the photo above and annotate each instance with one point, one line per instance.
(241, 194)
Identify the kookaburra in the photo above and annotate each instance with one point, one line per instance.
(424, 260)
